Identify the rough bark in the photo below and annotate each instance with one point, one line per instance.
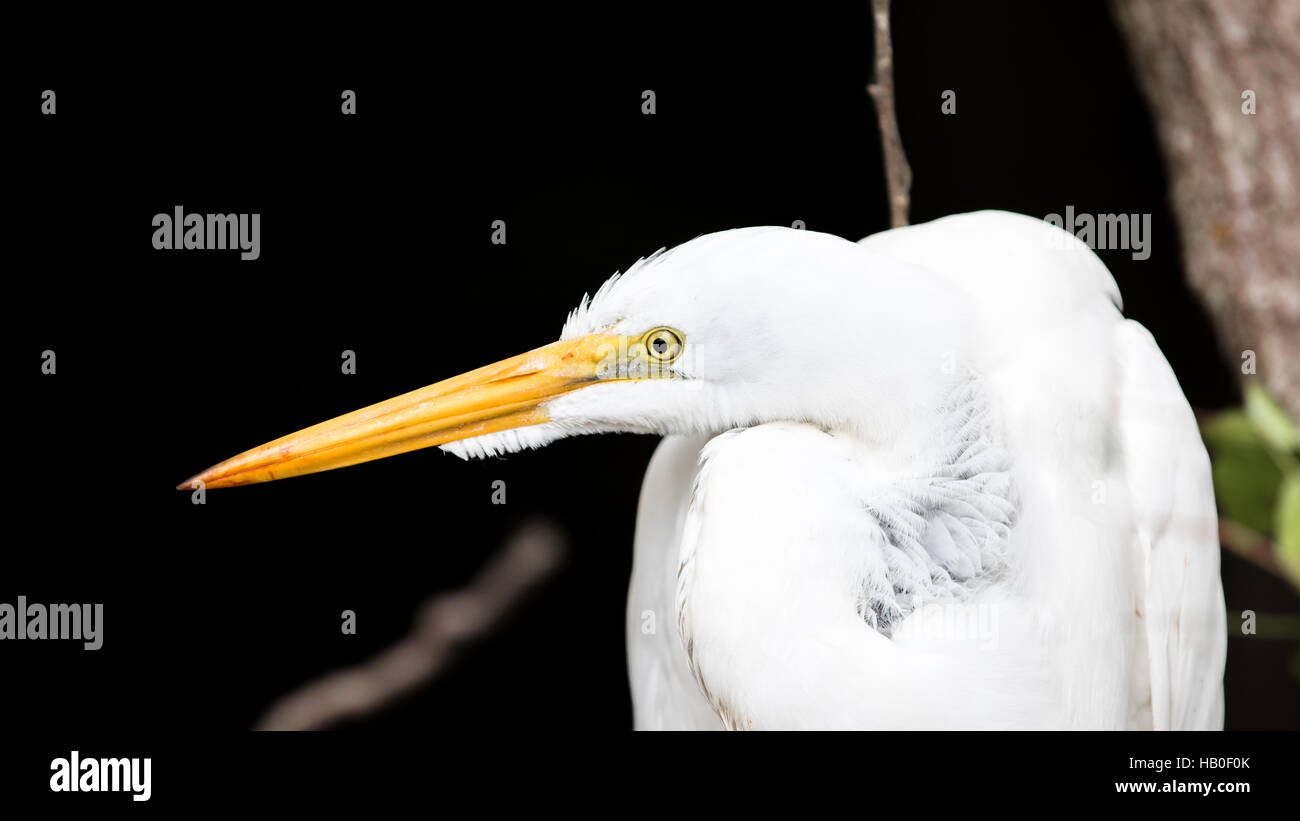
(1233, 175)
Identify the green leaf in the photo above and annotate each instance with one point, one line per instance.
(1288, 524)
(1246, 476)
(1270, 420)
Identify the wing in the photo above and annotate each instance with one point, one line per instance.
(1180, 609)
(664, 694)
(1049, 290)
(786, 541)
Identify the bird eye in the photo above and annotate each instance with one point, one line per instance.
(663, 345)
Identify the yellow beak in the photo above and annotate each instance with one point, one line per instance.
(508, 394)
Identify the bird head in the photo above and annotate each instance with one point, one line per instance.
(730, 329)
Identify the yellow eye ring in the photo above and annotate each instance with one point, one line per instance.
(663, 345)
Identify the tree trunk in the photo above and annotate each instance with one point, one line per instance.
(1203, 66)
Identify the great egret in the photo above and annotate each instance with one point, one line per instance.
(933, 479)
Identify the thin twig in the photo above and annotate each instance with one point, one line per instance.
(444, 624)
(898, 174)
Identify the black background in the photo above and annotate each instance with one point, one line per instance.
(376, 238)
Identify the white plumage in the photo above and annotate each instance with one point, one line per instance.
(1094, 603)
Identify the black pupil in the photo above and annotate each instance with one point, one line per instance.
(660, 344)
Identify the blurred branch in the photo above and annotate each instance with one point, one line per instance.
(898, 174)
(1255, 548)
(444, 624)
(1223, 80)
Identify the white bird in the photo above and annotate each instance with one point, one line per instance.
(933, 479)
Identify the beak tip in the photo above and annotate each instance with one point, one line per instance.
(188, 484)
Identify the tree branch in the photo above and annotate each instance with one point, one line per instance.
(1255, 548)
(898, 174)
(445, 623)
